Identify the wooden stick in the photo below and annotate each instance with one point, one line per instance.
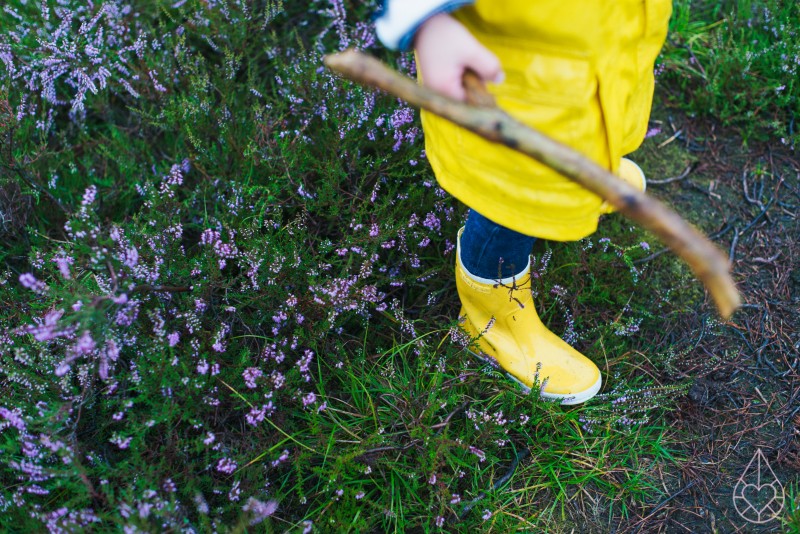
(708, 263)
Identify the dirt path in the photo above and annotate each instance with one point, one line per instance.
(746, 396)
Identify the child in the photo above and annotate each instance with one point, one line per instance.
(580, 71)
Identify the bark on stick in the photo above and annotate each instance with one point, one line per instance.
(709, 264)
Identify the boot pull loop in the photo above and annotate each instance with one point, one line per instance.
(477, 95)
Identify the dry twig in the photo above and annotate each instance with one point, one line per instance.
(708, 263)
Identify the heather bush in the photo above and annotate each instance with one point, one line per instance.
(228, 299)
(219, 212)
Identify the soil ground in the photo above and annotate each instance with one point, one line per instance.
(746, 393)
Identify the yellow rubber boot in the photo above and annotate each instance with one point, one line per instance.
(631, 173)
(503, 321)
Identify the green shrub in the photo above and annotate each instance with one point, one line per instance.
(737, 62)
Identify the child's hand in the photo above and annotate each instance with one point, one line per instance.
(445, 49)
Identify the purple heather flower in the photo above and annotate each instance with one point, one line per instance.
(260, 510)
(304, 363)
(200, 502)
(235, 492)
(89, 196)
(112, 350)
(226, 465)
(652, 132)
(12, 418)
(173, 338)
(305, 194)
(47, 329)
(309, 398)
(63, 262)
(558, 291)
(30, 282)
(282, 458)
(257, 414)
(250, 375)
(130, 257)
(278, 379)
(119, 441)
(432, 222)
(144, 509)
(477, 452)
(85, 344)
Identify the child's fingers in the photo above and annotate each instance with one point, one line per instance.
(453, 87)
(446, 80)
(486, 65)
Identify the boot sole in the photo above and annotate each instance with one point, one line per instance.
(565, 399)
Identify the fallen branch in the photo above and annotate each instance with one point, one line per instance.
(708, 263)
(678, 178)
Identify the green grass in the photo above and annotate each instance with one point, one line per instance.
(396, 438)
(737, 62)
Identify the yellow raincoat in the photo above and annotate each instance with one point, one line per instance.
(580, 71)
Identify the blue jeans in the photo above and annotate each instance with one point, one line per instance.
(489, 250)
